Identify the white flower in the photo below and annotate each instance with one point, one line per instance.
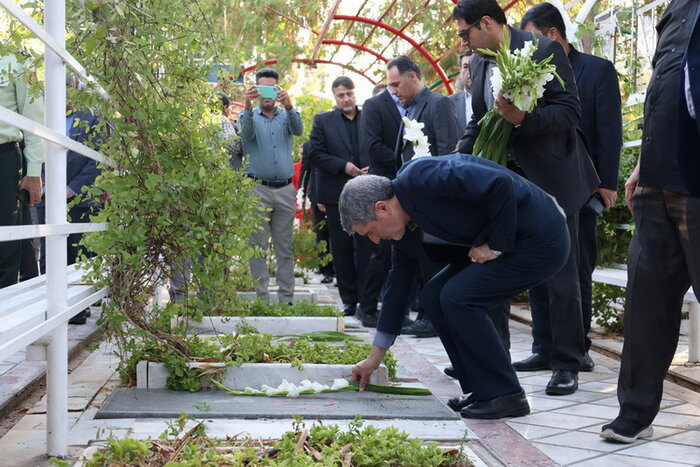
(528, 49)
(412, 129)
(339, 383)
(496, 82)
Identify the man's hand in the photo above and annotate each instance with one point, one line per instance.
(321, 207)
(284, 99)
(363, 370)
(481, 254)
(365, 170)
(33, 186)
(352, 170)
(508, 111)
(69, 194)
(630, 186)
(609, 196)
(250, 95)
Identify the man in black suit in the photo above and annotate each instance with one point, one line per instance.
(664, 258)
(515, 235)
(547, 148)
(463, 99)
(601, 122)
(334, 148)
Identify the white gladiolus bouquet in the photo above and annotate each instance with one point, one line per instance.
(521, 81)
(413, 132)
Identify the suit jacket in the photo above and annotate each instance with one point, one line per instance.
(379, 128)
(548, 145)
(460, 109)
(437, 113)
(601, 113)
(80, 170)
(465, 200)
(330, 149)
(688, 127)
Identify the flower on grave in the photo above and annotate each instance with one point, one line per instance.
(288, 389)
(413, 132)
(521, 81)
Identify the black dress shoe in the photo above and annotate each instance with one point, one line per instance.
(534, 362)
(327, 279)
(349, 309)
(450, 371)
(510, 405)
(420, 328)
(458, 403)
(563, 382)
(370, 320)
(80, 318)
(587, 364)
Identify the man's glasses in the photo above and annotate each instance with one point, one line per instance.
(464, 33)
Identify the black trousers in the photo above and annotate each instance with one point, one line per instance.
(664, 260)
(556, 311)
(321, 230)
(458, 301)
(77, 215)
(377, 261)
(343, 252)
(10, 175)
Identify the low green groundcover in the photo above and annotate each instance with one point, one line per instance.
(259, 308)
(320, 445)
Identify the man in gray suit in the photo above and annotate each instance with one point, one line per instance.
(463, 99)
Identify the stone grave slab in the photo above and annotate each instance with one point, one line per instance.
(163, 403)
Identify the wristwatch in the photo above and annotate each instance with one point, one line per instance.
(497, 253)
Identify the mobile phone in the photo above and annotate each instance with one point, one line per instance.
(268, 92)
(595, 203)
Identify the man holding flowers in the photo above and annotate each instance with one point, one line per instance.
(543, 143)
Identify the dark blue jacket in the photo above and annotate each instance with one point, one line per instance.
(601, 113)
(689, 128)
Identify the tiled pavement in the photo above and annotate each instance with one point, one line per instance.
(560, 430)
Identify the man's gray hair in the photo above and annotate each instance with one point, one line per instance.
(356, 204)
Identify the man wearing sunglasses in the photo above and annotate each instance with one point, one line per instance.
(546, 147)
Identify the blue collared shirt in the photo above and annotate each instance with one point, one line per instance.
(268, 142)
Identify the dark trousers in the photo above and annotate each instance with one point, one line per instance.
(458, 301)
(377, 260)
(29, 266)
(321, 230)
(664, 260)
(10, 174)
(588, 252)
(343, 252)
(556, 311)
(77, 215)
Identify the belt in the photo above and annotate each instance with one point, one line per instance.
(8, 146)
(272, 184)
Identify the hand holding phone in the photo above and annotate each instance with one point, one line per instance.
(267, 92)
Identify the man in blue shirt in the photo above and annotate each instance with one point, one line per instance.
(266, 133)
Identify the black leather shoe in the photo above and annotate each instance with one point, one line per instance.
(80, 318)
(563, 382)
(450, 371)
(534, 362)
(327, 279)
(510, 405)
(587, 364)
(420, 328)
(349, 309)
(370, 320)
(458, 403)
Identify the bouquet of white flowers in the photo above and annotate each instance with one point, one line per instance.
(520, 80)
(413, 132)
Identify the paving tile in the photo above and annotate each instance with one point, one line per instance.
(578, 396)
(665, 451)
(599, 386)
(588, 410)
(677, 420)
(582, 440)
(541, 404)
(531, 432)
(690, 438)
(565, 455)
(553, 420)
(685, 409)
(536, 378)
(619, 460)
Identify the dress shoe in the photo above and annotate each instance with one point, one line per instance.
(458, 403)
(623, 431)
(420, 328)
(349, 309)
(587, 364)
(534, 362)
(563, 382)
(80, 318)
(370, 320)
(450, 371)
(327, 279)
(510, 405)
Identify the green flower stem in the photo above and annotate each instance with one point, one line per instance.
(354, 386)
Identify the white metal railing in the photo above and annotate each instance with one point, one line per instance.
(56, 229)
